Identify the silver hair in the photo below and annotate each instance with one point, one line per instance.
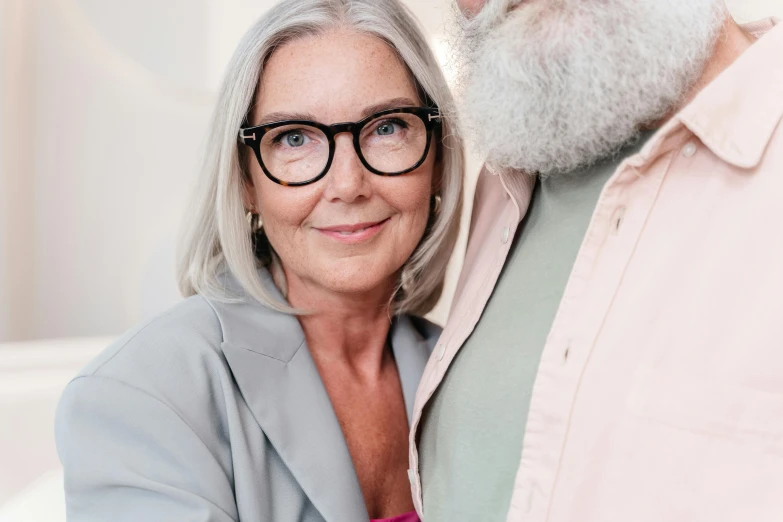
(217, 236)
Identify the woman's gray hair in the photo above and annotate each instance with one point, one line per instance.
(217, 235)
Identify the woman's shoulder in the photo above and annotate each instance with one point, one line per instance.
(190, 330)
(150, 415)
(168, 372)
(181, 353)
(175, 358)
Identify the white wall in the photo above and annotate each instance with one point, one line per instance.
(16, 160)
(121, 110)
(4, 326)
(108, 102)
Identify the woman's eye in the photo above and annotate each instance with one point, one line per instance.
(291, 139)
(389, 128)
(385, 129)
(294, 139)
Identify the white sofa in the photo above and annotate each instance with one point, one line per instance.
(32, 376)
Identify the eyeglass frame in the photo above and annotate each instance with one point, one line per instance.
(251, 137)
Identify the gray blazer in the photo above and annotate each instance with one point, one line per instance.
(215, 412)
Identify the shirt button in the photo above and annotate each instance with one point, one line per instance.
(441, 351)
(689, 150)
(504, 236)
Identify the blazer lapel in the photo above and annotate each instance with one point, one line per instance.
(271, 363)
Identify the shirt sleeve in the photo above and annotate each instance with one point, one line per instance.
(128, 456)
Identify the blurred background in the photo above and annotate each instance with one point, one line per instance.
(104, 109)
(105, 106)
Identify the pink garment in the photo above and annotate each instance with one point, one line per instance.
(405, 517)
(659, 395)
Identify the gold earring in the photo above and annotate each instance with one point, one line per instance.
(253, 220)
(436, 201)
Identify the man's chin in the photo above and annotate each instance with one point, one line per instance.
(537, 98)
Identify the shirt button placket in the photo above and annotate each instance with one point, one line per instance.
(441, 351)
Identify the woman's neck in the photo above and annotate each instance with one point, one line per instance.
(349, 330)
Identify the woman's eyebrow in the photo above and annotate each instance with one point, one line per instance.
(283, 116)
(388, 104)
(367, 111)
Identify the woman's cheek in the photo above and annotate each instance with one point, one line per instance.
(416, 216)
(284, 211)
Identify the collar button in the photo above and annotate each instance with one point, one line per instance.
(505, 235)
(441, 351)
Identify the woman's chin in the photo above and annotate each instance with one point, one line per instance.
(359, 279)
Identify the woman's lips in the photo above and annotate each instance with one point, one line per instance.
(351, 234)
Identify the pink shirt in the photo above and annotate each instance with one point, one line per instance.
(659, 396)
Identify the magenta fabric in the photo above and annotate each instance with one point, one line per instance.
(405, 517)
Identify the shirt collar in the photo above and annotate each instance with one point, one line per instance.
(732, 116)
(736, 115)
(518, 185)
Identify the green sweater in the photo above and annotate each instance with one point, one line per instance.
(471, 433)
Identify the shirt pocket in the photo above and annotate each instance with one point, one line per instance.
(686, 449)
(708, 407)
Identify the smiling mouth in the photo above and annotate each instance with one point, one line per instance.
(353, 233)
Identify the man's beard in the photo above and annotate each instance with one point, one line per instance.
(559, 84)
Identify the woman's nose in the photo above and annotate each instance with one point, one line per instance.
(347, 178)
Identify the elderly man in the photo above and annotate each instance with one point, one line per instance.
(615, 350)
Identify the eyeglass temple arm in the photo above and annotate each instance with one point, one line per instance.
(244, 139)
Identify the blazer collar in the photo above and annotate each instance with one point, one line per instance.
(412, 342)
(273, 368)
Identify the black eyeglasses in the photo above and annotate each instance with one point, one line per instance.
(299, 152)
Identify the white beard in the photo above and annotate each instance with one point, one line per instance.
(559, 84)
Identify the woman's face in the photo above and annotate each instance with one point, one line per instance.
(351, 231)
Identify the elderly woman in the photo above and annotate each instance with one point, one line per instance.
(281, 389)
